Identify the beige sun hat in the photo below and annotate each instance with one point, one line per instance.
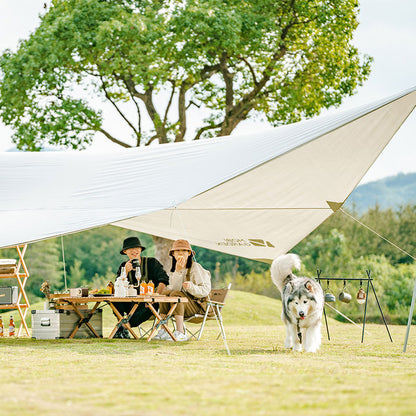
(181, 245)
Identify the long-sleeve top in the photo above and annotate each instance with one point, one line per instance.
(199, 277)
(153, 271)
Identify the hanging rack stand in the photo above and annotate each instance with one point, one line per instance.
(369, 281)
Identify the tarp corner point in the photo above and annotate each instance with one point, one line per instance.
(335, 206)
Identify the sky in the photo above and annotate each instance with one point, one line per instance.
(387, 32)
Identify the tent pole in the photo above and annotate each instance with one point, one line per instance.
(63, 262)
(409, 321)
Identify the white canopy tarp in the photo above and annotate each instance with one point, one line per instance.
(253, 195)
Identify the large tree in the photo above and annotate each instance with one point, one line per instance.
(159, 63)
(227, 59)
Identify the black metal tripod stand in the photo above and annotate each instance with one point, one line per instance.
(369, 280)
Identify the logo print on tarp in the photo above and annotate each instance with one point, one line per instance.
(245, 242)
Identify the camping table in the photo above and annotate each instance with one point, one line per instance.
(76, 302)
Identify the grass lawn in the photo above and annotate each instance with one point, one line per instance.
(128, 377)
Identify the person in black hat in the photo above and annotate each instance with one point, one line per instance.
(150, 269)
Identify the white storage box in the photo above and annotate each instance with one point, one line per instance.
(58, 323)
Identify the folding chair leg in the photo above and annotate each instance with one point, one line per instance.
(143, 333)
(190, 333)
(140, 331)
(203, 322)
(218, 317)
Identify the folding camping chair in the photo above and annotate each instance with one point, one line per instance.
(216, 301)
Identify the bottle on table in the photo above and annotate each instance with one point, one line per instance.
(125, 284)
(150, 288)
(123, 272)
(1, 327)
(121, 284)
(110, 288)
(143, 288)
(119, 288)
(11, 327)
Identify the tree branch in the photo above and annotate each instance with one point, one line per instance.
(193, 103)
(151, 139)
(253, 74)
(182, 113)
(206, 72)
(158, 124)
(131, 89)
(113, 139)
(240, 111)
(165, 118)
(203, 129)
(228, 79)
(116, 107)
(147, 99)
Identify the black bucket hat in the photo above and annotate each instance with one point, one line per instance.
(131, 242)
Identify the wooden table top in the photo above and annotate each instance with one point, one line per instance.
(111, 298)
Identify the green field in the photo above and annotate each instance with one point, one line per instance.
(128, 377)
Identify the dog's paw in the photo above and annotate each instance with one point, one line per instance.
(297, 348)
(312, 349)
(288, 345)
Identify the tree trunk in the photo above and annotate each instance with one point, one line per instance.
(162, 247)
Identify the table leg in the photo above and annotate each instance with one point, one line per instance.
(118, 316)
(127, 319)
(123, 321)
(160, 320)
(84, 320)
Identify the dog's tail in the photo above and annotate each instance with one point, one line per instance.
(282, 267)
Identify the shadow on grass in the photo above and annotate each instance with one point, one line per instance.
(261, 351)
(116, 347)
(83, 346)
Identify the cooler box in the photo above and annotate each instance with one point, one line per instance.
(58, 323)
(8, 295)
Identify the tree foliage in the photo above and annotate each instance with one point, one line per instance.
(225, 60)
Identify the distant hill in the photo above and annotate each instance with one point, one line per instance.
(390, 192)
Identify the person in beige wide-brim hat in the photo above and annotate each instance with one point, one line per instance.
(188, 279)
(181, 245)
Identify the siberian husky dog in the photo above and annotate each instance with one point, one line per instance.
(303, 304)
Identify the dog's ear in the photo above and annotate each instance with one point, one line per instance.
(309, 286)
(288, 288)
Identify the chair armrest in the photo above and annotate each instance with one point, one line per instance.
(214, 302)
